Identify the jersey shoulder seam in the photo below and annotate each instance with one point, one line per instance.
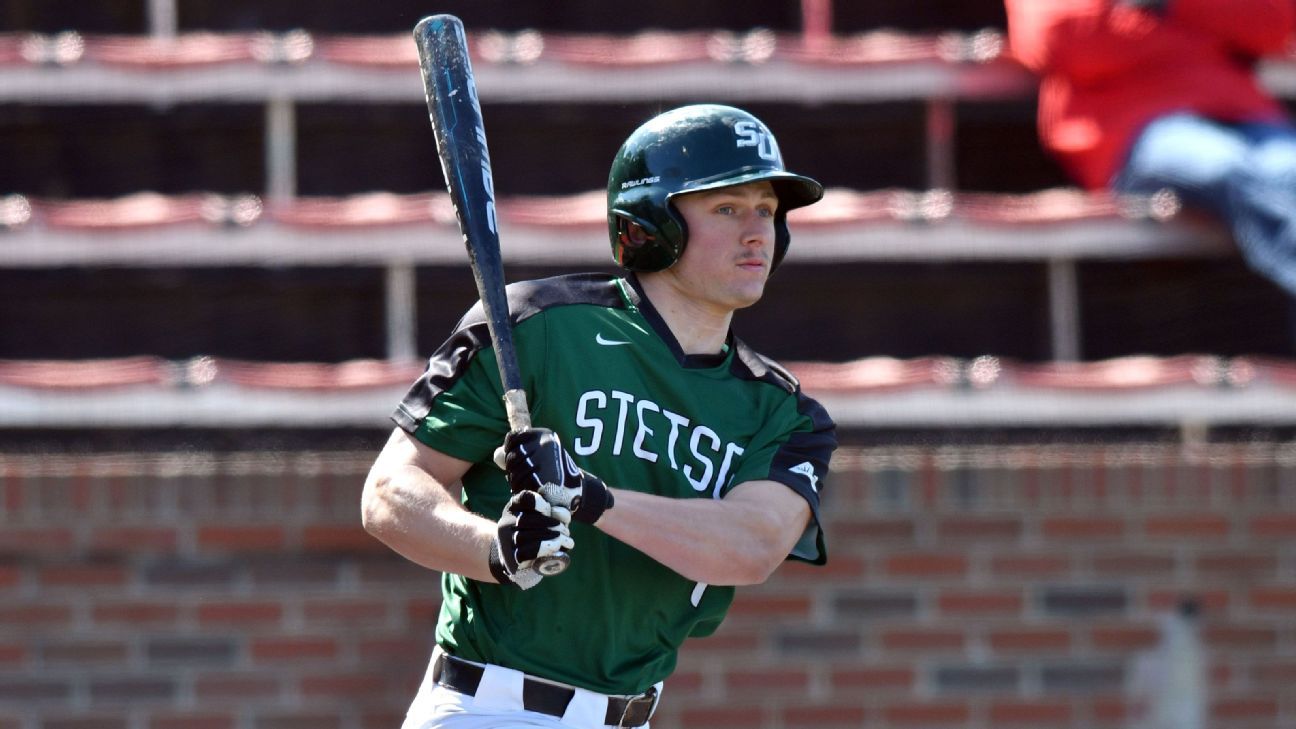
(756, 366)
(528, 298)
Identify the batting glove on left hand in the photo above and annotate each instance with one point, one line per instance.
(536, 460)
(530, 528)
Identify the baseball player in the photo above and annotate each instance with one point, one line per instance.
(674, 463)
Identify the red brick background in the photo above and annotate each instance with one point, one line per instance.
(968, 587)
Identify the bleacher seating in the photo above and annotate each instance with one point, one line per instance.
(926, 392)
(916, 215)
(846, 226)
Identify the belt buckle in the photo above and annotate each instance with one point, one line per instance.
(649, 696)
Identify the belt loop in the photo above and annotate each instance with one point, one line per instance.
(650, 694)
(438, 664)
(625, 711)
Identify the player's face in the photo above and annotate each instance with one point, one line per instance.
(730, 244)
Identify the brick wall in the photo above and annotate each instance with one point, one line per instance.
(968, 587)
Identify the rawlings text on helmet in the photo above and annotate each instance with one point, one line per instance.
(645, 181)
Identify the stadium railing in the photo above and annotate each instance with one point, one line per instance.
(1056, 227)
(1186, 392)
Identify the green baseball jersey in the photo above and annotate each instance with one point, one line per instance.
(602, 369)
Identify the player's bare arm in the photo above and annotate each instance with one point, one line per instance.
(737, 540)
(408, 503)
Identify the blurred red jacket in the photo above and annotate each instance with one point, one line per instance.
(1106, 69)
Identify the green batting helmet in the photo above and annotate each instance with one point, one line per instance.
(689, 149)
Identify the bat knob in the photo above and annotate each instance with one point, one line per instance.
(555, 565)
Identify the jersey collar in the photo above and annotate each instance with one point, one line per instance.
(639, 299)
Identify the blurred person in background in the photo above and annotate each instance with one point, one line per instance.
(1139, 96)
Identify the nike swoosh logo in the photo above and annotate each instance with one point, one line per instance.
(607, 342)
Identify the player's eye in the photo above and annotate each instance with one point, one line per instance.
(724, 209)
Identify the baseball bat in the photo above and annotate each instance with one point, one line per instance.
(456, 118)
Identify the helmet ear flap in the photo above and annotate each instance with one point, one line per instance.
(632, 235)
(642, 245)
(636, 242)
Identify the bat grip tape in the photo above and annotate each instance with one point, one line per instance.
(515, 407)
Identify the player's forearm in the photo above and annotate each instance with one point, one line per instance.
(716, 542)
(417, 517)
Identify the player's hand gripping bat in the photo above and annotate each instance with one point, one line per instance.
(461, 143)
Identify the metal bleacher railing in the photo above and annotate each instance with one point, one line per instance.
(399, 232)
(1188, 392)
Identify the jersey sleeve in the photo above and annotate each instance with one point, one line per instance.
(456, 405)
(795, 452)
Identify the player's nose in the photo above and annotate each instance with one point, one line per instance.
(757, 230)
